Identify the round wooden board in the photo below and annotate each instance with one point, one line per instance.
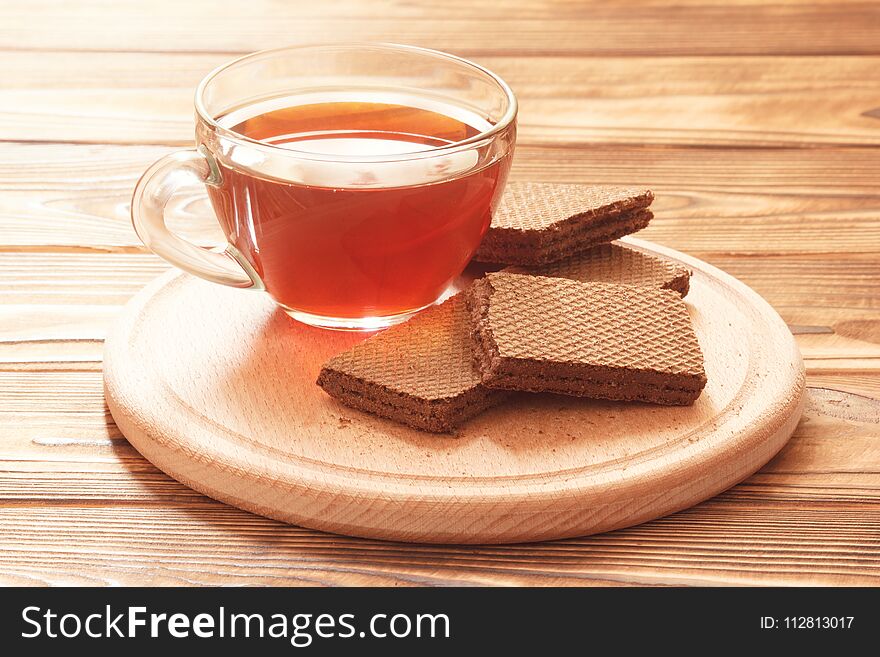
(216, 387)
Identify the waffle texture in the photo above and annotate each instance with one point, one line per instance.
(586, 339)
(616, 263)
(538, 223)
(420, 372)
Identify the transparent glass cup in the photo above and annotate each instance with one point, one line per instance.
(341, 230)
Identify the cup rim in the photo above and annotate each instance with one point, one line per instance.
(464, 144)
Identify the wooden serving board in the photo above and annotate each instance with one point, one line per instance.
(216, 387)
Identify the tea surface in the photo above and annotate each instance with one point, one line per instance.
(367, 239)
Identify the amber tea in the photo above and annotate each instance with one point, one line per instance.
(353, 182)
(366, 240)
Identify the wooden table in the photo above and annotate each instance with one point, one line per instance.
(758, 126)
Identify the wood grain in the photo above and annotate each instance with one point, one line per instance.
(146, 98)
(756, 123)
(709, 200)
(776, 542)
(805, 283)
(556, 27)
(770, 530)
(805, 518)
(53, 278)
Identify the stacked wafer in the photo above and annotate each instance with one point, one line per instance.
(572, 313)
(541, 223)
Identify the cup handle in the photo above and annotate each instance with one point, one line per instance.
(152, 193)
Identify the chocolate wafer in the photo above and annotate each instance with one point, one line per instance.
(616, 262)
(600, 340)
(420, 372)
(539, 223)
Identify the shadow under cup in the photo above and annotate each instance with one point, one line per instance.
(353, 182)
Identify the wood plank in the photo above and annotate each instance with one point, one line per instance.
(829, 287)
(709, 201)
(74, 499)
(79, 200)
(863, 384)
(547, 26)
(50, 278)
(850, 283)
(787, 281)
(717, 543)
(34, 336)
(146, 98)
